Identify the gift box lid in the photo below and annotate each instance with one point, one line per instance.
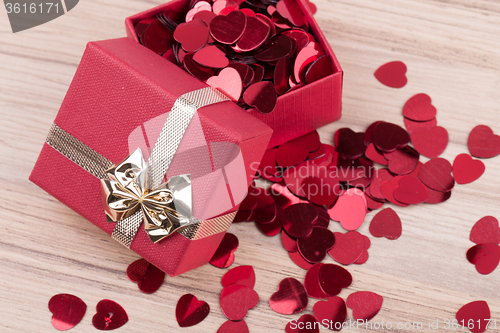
(118, 89)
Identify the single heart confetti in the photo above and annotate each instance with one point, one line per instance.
(332, 312)
(148, 277)
(290, 298)
(228, 29)
(387, 136)
(411, 191)
(233, 327)
(333, 278)
(392, 74)
(483, 143)
(486, 230)
(313, 248)
(436, 174)
(211, 56)
(349, 144)
(67, 311)
(348, 247)
(419, 108)
(475, 316)
(191, 36)
(241, 275)
(386, 224)
(236, 300)
(402, 161)
(190, 311)
(109, 315)
(305, 324)
(466, 169)
(430, 142)
(364, 304)
(298, 219)
(224, 256)
(485, 257)
(228, 81)
(261, 95)
(350, 209)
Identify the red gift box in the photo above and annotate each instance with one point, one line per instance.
(297, 112)
(120, 93)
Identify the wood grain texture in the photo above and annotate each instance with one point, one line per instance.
(452, 50)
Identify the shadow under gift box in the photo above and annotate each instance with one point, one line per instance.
(297, 112)
(120, 87)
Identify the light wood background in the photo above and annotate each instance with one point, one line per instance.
(452, 50)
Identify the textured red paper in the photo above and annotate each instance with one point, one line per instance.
(298, 112)
(120, 79)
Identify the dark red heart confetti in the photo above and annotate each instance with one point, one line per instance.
(381, 176)
(483, 143)
(373, 154)
(320, 68)
(386, 224)
(148, 277)
(67, 311)
(331, 313)
(348, 247)
(312, 282)
(265, 211)
(349, 144)
(392, 74)
(419, 108)
(291, 154)
(290, 298)
(224, 256)
(305, 324)
(436, 174)
(236, 300)
(486, 230)
(466, 169)
(270, 229)
(261, 95)
(298, 219)
(304, 59)
(485, 257)
(233, 327)
(411, 191)
(402, 161)
(157, 37)
(350, 209)
(475, 316)
(364, 304)
(333, 278)
(109, 315)
(290, 10)
(255, 34)
(241, 275)
(229, 28)
(289, 243)
(313, 248)
(436, 197)
(387, 136)
(430, 142)
(190, 311)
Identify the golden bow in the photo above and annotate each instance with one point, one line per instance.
(165, 209)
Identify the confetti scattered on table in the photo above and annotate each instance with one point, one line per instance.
(67, 311)
(331, 312)
(148, 277)
(466, 169)
(364, 304)
(392, 74)
(386, 224)
(290, 298)
(483, 143)
(191, 311)
(109, 315)
(224, 255)
(475, 316)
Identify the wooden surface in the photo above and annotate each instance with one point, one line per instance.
(452, 50)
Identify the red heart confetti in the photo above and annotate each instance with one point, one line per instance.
(486, 230)
(228, 29)
(332, 312)
(236, 300)
(413, 125)
(483, 143)
(261, 95)
(299, 260)
(190, 311)
(485, 257)
(475, 316)
(387, 136)
(436, 197)
(320, 68)
(466, 169)
(386, 224)
(388, 188)
(228, 81)
(349, 144)
(411, 191)
(255, 34)
(211, 56)
(109, 316)
(192, 36)
(305, 324)
(364, 304)
(312, 283)
(436, 174)
(350, 209)
(298, 219)
(419, 108)
(313, 248)
(148, 277)
(430, 142)
(233, 327)
(290, 298)
(241, 275)
(224, 255)
(333, 278)
(376, 156)
(381, 176)
(392, 74)
(348, 247)
(67, 311)
(402, 161)
(290, 10)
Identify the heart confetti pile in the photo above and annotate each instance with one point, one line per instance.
(485, 255)
(269, 44)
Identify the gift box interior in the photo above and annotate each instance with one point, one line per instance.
(118, 101)
(299, 110)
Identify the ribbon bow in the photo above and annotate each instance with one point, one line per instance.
(165, 208)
